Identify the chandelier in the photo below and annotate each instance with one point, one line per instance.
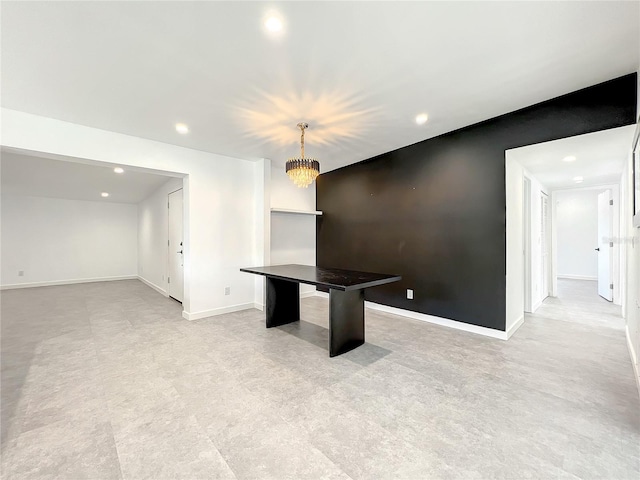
(302, 171)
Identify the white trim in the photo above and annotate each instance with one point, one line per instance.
(66, 282)
(445, 322)
(302, 212)
(634, 359)
(259, 306)
(536, 306)
(578, 277)
(154, 286)
(512, 329)
(217, 311)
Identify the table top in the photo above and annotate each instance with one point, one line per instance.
(325, 277)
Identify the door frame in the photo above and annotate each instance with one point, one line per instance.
(526, 217)
(184, 246)
(619, 281)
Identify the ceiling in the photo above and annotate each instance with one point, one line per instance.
(357, 72)
(44, 177)
(599, 158)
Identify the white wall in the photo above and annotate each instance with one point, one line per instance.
(293, 236)
(220, 201)
(63, 241)
(577, 233)
(630, 241)
(153, 228)
(515, 245)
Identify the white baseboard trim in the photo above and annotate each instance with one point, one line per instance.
(634, 359)
(66, 282)
(512, 329)
(445, 322)
(154, 286)
(578, 277)
(536, 306)
(217, 311)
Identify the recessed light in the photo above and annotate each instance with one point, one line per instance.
(422, 119)
(578, 179)
(104, 194)
(182, 128)
(273, 24)
(118, 170)
(570, 158)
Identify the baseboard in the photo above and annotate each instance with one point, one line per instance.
(444, 322)
(217, 311)
(634, 359)
(512, 329)
(66, 282)
(536, 306)
(154, 286)
(578, 277)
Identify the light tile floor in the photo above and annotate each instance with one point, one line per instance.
(106, 380)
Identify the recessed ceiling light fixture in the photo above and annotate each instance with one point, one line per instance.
(273, 24)
(422, 119)
(578, 179)
(104, 194)
(182, 128)
(118, 170)
(570, 158)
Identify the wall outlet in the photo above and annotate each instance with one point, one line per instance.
(21, 273)
(409, 294)
(227, 290)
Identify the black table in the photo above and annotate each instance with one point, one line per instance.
(346, 299)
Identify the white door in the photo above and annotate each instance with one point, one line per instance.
(176, 250)
(604, 245)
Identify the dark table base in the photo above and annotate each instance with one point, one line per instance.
(346, 313)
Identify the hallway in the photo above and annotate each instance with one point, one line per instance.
(578, 302)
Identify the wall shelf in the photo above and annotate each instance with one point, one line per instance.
(298, 212)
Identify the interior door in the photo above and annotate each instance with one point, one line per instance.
(176, 250)
(605, 289)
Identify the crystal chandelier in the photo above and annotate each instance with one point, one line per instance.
(302, 171)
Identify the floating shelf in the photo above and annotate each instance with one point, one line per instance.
(298, 212)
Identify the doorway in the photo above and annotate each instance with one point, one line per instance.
(537, 261)
(175, 277)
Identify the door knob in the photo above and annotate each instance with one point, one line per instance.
(598, 249)
(180, 251)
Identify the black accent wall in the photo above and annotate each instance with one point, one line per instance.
(435, 212)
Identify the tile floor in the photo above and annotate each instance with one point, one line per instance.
(106, 380)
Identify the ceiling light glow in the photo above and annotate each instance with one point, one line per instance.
(273, 24)
(118, 170)
(104, 194)
(570, 158)
(182, 128)
(422, 119)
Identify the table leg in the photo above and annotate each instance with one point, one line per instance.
(283, 302)
(346, 320)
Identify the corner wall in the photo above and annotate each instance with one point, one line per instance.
(153, 231)
(435, 212)
(58, 241)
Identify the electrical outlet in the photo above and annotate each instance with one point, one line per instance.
(21, 273)
(227, 290)
(409, 294)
